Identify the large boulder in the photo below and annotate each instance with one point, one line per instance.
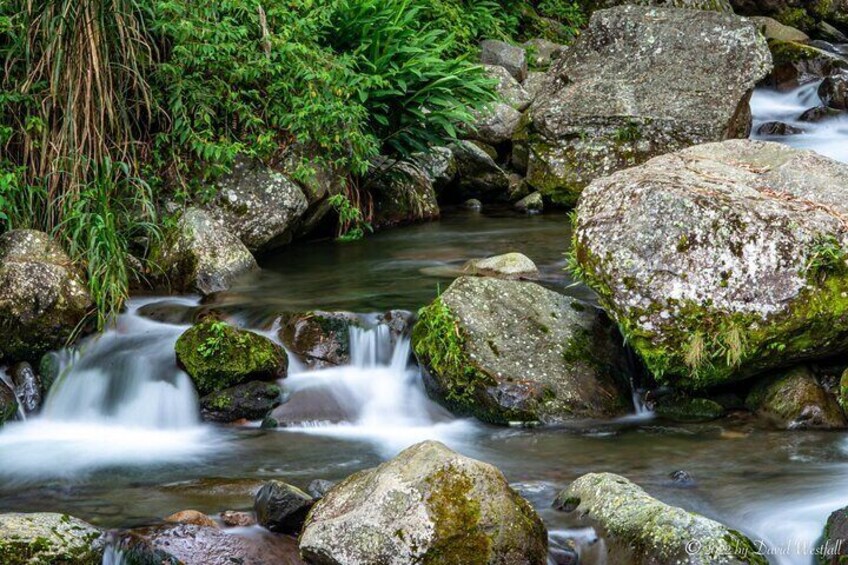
(795, 401)
(258, 205)
(217, 355)
(510, 351)
(495, 124)
(721, 260)
(641, 530)
(43, 297)
(511, 57)
(427, 505)
(479, 176)
(833, 92)
(319, 339)
(43, 538)
(439, 164)
(281, 507)
(201, 255)
(401, 194)
(640, 82)
(249, 401)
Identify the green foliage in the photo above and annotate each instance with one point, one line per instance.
(827, 256)
(352, 225)
(219, 336)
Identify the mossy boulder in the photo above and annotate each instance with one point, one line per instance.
(722, 260)
(637, 83)
(401, 194)
(509, 351)
(248, 401)
(43, 538)
(795, 401)
(319, 339)
(682, 408)
(427, 505)
(43, 296)
(641, 530)
(217, 355)
(797, 63)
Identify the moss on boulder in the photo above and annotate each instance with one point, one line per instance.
(217, 355)
(795, 401)
(43, 538)
(428, 505)
(248, 401)
(682, 408)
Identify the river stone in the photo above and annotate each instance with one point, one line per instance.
(795, 401)
(319, 487)
(508, 89)
(637, 83)
(640, 530)
(721, 260)
(401, 194)
(778, 128)
(510, 351)
(773, 29)
(258, 205)
(191, 517)
(506, 266)
(833, 92)
(249, 401)
(531, 204)
(510, 57)
(237, 519)
(217, 355)
(439, 164)
(427, 505)
(281, 507)
(479, 176)
(8, 403)
(43, 297)
(796, 64)
(27, 387)
(201, 255)
(319, 339)
(43, 538)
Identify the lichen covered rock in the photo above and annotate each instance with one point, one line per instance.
(506, 266)
(43, 297)
(43, 538)
(217, 355)
(721, 260)
(641, 530)
(248, 401)
(509, 351)
(640, 82)
(508, 89)
(427, 505)
(511, 57)
(795, 401)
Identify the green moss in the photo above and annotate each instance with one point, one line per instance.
(789, 52)
(744, 550)
(796, 17)
(684, 409)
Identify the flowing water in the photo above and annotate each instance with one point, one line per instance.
(119, 443)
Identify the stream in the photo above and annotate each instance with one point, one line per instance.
(119, 443)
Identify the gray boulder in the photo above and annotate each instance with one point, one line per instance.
(281, 507)
(201, 255)
(795, 401)
(506, 266)
(637, 83)
(258, 205)
(439, 164)
(43, 297)
(401, 194)
(510, 57)
(510, 90)
(427, 505)
(835, 539)
(639, 529)
(509, 351)
(495, 124)
(43, 538)
(535, 83)
(479, 176)
(721, 260)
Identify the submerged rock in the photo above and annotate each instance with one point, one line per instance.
(249, 401)
(795, 401)
(319, 339)
(427, 505)
(637, 83)
(46, 538)
(641, 530)
(43, 297)
(217, 355)
(721, 260)
(818, 114)
(259, 205)
(201, 255)
(509, 351)
(510, 57)
(401, 194)
(506, 266)
(281, 507)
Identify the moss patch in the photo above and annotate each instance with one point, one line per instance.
(458, 537)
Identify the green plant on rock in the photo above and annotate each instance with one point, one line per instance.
(826, 256)
(352, 224)
(219, 336)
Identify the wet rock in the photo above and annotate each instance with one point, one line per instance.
(518, 187)
(682, 408)
(217, 355)
(479, 176)
(834, 540)
(773, 29)
(427, 505)
(47, 538)
(637, 83)
(819, 114)
(510, 57)
(401, 194)
(192, 517)
(201, 255)
(281, 507)
(531, 204)
(542, 52)
(473, 204)
(43, 297)
(639, 529)
(681, 478)
(27, 387)
(778, 128)
(796, 64)
(506, 266)
(399, 323)
(49, 368)
(319, 339)
(199, 545)
(319, 487)
(795, 401)
(509, 90)
(473, 342)
(258, 205)
(495, 124)
(833, 92)
(236, 519)
(309, 406)
(815, 18)
(249, 401)
(722, 260)
(439, 164)
(8, 403)
(318, 180)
